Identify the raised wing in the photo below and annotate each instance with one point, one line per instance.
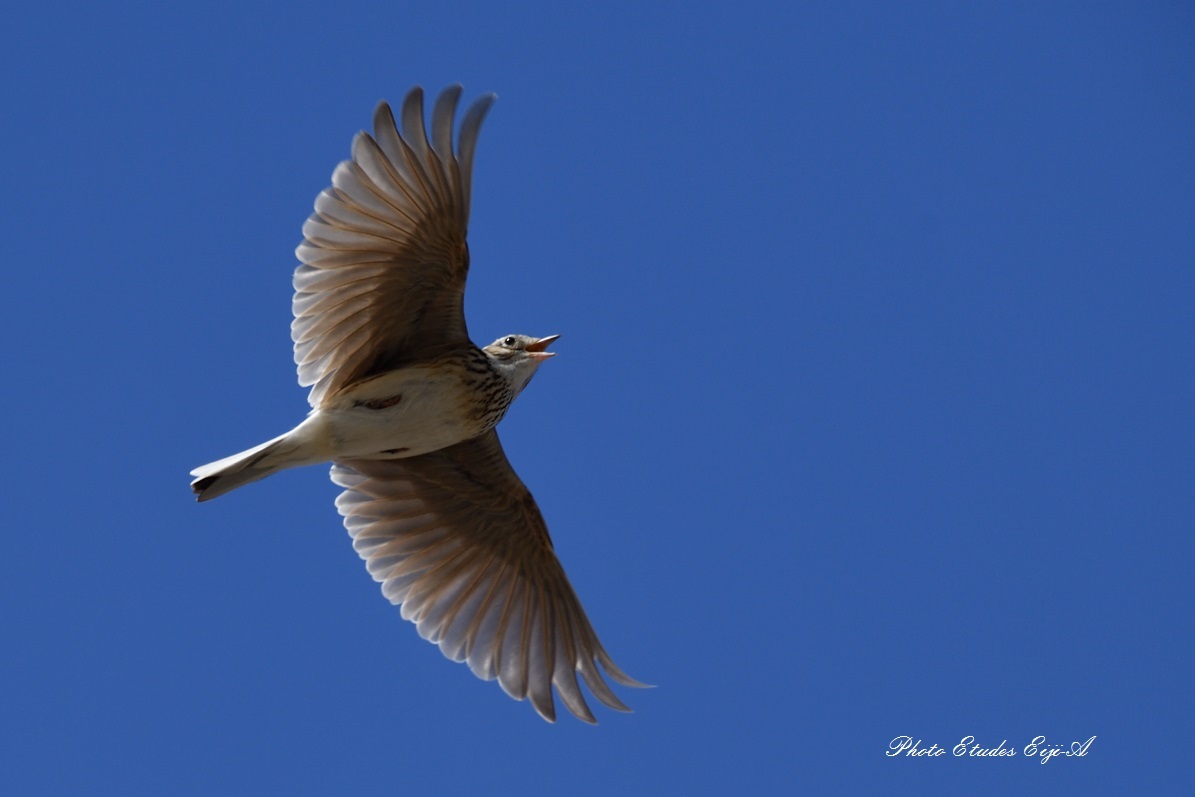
(456, 538)
(384, 258)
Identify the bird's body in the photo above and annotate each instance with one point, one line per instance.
(418, 408)
(412, 410)
(404, 405)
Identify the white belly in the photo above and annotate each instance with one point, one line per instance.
(425, 415)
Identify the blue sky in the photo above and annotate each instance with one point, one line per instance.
(872, 415)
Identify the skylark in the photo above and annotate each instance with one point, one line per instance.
(404, 405)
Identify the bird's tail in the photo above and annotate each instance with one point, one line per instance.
(224, 475)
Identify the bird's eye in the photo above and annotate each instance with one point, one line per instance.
(509, 341)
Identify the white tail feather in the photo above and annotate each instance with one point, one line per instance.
(308, 443)
(224, 475)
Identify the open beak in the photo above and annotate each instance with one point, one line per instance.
(539, 348)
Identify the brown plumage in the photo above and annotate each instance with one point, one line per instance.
(404, 405)
(456, 538)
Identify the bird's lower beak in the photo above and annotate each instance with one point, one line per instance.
(539, 348)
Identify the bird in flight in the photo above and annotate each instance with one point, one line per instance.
(404, 406)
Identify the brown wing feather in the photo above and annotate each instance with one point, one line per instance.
(456, 538)
(384, 258)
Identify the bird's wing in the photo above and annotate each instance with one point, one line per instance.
(456, 538)
(384, 259)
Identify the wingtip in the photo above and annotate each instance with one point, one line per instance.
(482, 104)
(542, 702)
(616, 672)
(451, 92)
(383, 116)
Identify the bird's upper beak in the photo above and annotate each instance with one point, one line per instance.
(539, 348)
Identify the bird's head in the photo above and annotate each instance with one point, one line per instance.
(518, 356)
